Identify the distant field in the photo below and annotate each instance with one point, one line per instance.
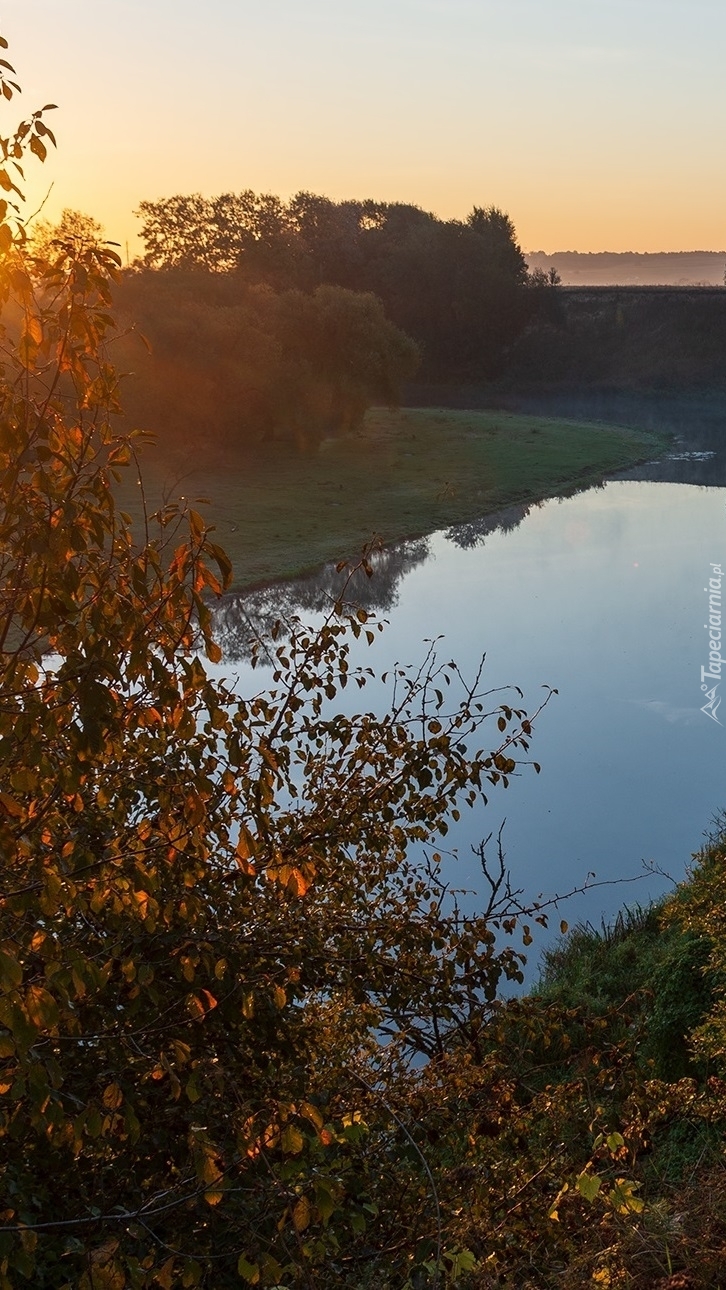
(407, 473)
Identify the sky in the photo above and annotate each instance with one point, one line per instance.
(597, 124)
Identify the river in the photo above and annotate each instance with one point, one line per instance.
(603, 596)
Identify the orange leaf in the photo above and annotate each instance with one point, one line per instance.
(41, 1008)
(196, 1007)
(297, 883)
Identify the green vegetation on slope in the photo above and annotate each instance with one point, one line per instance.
(624, 339)
(407, 473)
(646, 961)
(642, 999)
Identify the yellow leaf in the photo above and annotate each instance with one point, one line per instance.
(297, 883)
(622, 1197)
(105, 1252)
(589, 1185)
(292, 1141)
(112, 1097)
(10, 806)
(192, 1088)
(553, 1211)
(196, 525)
(11, 973)
(302, 1214)
(210, 1171)
(32, 330)
(165, 1275)
(245, 852)
(142, 902)
(41, 1008)
(196, 1007)
(312, 1114)
(249, 1271)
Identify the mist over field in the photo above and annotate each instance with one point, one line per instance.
(632, 268)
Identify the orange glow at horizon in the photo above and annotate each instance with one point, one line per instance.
(597, 127)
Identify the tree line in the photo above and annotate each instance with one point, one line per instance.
(290, 320)
(459, 288)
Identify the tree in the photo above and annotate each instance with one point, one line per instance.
(350, 348)
(74, 227)
(225, 234)
(272, 364)
(496, 231)
(179, 232)
(213, 907)
(541, 279)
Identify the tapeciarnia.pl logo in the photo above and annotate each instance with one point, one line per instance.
(715, 661)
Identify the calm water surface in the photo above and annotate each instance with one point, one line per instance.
(601, 596)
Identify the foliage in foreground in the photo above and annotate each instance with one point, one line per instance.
(212, 907)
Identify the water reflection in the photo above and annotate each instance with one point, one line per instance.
(244, 618)
(600, 595)
(701, 467)
(475, 532)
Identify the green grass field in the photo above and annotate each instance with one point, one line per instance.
(407, 473)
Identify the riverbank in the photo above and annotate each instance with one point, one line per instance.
(601, 1097)
(407, 473)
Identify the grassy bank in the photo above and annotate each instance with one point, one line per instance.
(407, 473)
(631, 1019)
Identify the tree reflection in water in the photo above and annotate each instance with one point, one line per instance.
(246, 617)
(475, 532)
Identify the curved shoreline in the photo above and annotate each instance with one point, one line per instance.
(408, 473)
